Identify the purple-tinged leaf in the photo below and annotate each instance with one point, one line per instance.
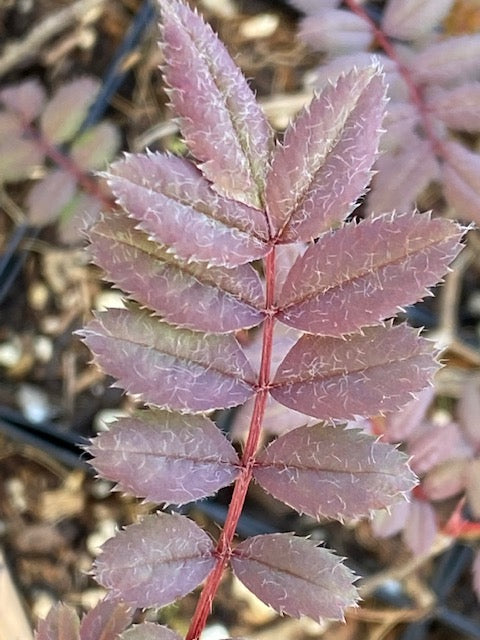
(412, 19)
(476, 574)
(421, 527)
(333, 472)
(294, 576)
(458, 108)
(188, 294)
(106, 620)
(335, 31)
(360, 274)
(96, 146)
(324, 163)
(167, 195)
(61, 623)
(405, 422)
(223, 126)
(445, 480)
(66, 111)
(448, 61)
(468, 411)
(181, 457)
(461, 178)
(155, 562)
(49, 196)
(358, 375)
(26, 99)
(472, 477)
(149, 631)
(81, 214)
(172, 368)
(388, 523)
(401, 122)
(19, 156)
(434, 444)
(402, 176)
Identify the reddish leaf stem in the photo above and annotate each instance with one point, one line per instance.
(223, 550)
(415, 92)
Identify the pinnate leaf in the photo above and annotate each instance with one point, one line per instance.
(168, 556)
(294, 576)
(106, 620)
(149, 631)
(61, 623)
(223, 126)
(66, 111)
(168, 195)
(185, 293)
(172, 368)
(411, 19)
(334, 472)
(358, 375)
(182, 458)
(324, 163)
(361, 274)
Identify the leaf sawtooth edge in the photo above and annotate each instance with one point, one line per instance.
(168, 556)
(335, 472)
(186, 293)
(359, 374)
(171, 368)
(181, 457)
(363, 273)
(294, 576)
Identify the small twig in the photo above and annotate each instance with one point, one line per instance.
(17, 52)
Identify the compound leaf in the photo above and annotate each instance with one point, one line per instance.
(294, 576)
(168, 196)
(357, 375)
(324, 163)
(334, 472)
(223, 126)
(149, 631)
(172, 368)
(214, 299)
(106, 620)
(155, 562)
(361, 274)
(61, 623)
(181, 457)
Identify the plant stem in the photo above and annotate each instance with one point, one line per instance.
(414, 90)
(223, 550)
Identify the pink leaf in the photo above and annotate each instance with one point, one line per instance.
(360, 274)
(66, 111)
(168, 556)
(105, 621)
(168, 195)
(461, 176)
(388, 523)
(173, 368)
(448, 61)
(336, 31)
(61, 623)
(324, 163)
(445, 480)
(402, 176)
(82, 212)
(333, 472)
(468, 411)
(458, 108)
(96, 146)
(411, 19)
(360, 374)
(182, 458)
(294, 576)
(223, 126)
(402, 424)
(434, 444)
(19, 156)
(149, 631)
(421, 527)
(186, 293)
(50, 196)
(25, 99)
